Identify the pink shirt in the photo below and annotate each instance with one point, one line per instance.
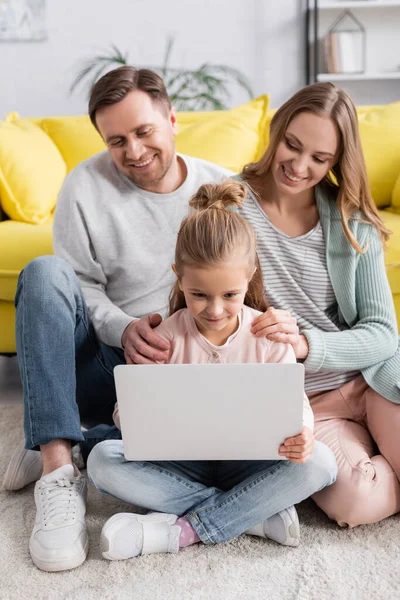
(189, 346)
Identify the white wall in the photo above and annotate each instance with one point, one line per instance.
(254, 36)
(264, 38)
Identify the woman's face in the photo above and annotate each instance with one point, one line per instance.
(306, 153)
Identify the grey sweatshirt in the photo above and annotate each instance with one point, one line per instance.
(120, 239)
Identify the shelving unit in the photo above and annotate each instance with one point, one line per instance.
(357, 76)
(314, 7)
(358, 4)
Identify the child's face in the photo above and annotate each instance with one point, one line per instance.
(306, 153)
(215, 296)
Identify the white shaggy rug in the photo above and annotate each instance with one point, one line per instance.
(330, 564)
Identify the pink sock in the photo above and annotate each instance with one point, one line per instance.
(188, 535)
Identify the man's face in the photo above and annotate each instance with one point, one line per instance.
(140, 138)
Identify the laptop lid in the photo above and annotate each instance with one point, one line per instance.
(208, 411)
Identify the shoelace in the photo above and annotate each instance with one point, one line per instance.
(59, 500)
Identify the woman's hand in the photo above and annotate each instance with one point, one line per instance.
(142, 345)
(299, 449)
(277, 325)
(280, 326)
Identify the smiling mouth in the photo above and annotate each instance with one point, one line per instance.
(292, 177)
(143, 164)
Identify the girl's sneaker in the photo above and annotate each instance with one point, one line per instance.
(283, 528)
(126, 535)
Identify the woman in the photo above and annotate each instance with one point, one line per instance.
(320, 242)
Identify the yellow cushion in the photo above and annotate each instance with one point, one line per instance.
(228, 138)
(31, 171)
(75, 137)
(380, 138)
(396, 194)
(189, 118)
(392, 254)
(364, 109)
(19, 244)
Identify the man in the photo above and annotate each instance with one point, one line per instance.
(94, 304)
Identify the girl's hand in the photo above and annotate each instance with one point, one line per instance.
(280, 326)
(299, 449)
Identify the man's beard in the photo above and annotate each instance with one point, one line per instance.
(147, 181)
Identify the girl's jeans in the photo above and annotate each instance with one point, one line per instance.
(221, 499)
(66, 372)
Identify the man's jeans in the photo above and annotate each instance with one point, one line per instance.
(67, 374)
(221, 499)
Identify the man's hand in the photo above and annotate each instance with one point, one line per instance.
(299, 449)
(280, 326)
(142, 345)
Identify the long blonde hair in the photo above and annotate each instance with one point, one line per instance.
(210, 235)
(353, 195)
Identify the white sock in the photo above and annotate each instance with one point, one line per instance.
(77, 457)
(64, 471)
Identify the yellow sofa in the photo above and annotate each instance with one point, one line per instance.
(36, 154)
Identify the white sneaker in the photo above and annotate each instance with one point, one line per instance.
(59, 539)
(24, 467)
(283, 528)
(126, 535)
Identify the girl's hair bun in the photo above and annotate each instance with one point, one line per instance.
(223, 195)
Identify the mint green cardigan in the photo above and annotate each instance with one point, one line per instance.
(365, 305)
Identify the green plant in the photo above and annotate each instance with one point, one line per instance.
(204, 88)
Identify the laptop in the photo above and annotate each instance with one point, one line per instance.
(208, 411)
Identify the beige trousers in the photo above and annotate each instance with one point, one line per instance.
(363, 430)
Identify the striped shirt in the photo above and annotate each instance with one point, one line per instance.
(296, 279)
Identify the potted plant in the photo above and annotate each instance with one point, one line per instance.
(204, 88)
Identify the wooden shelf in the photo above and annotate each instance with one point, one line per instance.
(341, 5)
(358, 76)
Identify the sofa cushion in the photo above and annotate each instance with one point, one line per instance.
(75, 137)
(230, 138)
(392, 256)
(395, 205)
(19, 244)
(380, 138)
(31, 171)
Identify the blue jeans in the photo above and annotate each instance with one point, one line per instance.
(221, 499)
(66, 372)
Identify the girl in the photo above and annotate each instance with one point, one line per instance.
(320, 241)
(217, 295)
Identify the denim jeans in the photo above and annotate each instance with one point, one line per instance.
(66, 372)
(221, 499)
